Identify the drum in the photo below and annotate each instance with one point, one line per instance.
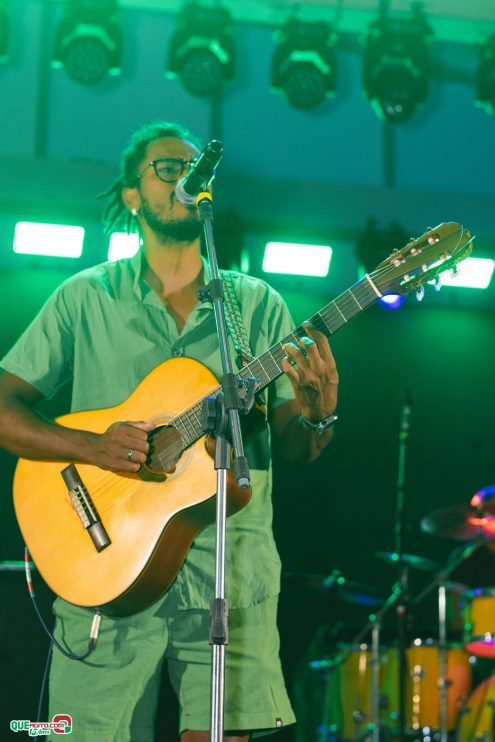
(333, 697)
(479, 621)
(477, 719)
(353, 704)
(422, 685)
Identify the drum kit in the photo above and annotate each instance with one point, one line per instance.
(409, 690)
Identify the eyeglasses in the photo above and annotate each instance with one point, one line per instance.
(168, 169)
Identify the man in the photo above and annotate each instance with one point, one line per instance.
(106, 328)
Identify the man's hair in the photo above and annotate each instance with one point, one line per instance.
(116, 214)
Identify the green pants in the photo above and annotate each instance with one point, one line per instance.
(112, 696)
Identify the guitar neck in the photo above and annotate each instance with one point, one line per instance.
(268, 366)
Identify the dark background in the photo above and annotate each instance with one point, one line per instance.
(286, 174)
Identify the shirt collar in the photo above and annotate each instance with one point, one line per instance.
(141, 288)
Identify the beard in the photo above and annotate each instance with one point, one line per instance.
(187, 229)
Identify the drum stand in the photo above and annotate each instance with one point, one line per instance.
(441, 583)
(375, 624)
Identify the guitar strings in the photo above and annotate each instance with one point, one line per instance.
(344, 304)
(357, 298)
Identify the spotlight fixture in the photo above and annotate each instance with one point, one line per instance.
(201, 52)
(396, 64)
(4, 30)
(88, 42)
(485, 82)
(303, 63)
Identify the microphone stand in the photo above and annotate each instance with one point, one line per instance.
(221, 417)
(403, 570)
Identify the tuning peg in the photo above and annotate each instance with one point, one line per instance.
(420, 292)
(437, 283)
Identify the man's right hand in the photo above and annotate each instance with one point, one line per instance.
(123, 447)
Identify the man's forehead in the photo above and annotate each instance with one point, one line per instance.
(171, 147)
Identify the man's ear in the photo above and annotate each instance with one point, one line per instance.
(131, 199)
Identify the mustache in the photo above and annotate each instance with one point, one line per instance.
(190, 207)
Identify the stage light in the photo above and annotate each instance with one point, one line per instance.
(297, 259)
(88, 42)
(201, 52)
(472, 273)
(123, 245)
(485, 81)
(303, 63)
(4, 30)
(391, 301)
(396, 65)
(56, 240)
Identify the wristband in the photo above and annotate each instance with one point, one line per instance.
(322, 425)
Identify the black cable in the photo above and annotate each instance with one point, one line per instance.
(95, 626)
(43, 682)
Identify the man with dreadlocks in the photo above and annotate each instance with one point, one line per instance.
(106, 329)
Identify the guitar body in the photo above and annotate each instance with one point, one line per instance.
(150, 524)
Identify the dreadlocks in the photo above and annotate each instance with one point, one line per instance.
(115, 214)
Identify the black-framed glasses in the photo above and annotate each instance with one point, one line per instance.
(168, 169)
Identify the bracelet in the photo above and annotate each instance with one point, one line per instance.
(322, 425)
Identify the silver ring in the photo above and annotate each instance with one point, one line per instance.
(130, 453)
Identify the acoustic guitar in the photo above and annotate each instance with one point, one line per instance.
(117, 541)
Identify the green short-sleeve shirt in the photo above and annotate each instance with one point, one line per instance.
(106, 329)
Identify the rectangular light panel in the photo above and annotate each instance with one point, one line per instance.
(123, 245)
(472, 273)
(297, 259)
(56, 240)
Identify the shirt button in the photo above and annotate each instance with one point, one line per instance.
(178, 352)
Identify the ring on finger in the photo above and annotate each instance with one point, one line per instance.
(130, 454)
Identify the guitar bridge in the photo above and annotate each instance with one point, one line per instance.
(85, 508)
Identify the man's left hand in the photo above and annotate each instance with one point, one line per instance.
(311, 368)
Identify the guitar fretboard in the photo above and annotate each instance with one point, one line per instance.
(268, 366)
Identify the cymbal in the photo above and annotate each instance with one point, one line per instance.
(348, 591)
(409, 560)
(462, 522)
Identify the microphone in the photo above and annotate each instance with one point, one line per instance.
(405, 420)
(200, 174)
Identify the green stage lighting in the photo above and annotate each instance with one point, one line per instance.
(303, 63)
(202, 53)
(123, 245)
(396, 65)
(88, 43)
(297, 259)
(56, 240)
(472, 273)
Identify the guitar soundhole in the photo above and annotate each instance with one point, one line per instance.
(166, 448)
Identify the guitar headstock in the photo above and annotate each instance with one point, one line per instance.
(423, 259)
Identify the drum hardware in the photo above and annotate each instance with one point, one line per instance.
(463, 522)
(410, 560)
(375, 622)
(348, 591)
(437, 678)
(441, 583)
(10, 565)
